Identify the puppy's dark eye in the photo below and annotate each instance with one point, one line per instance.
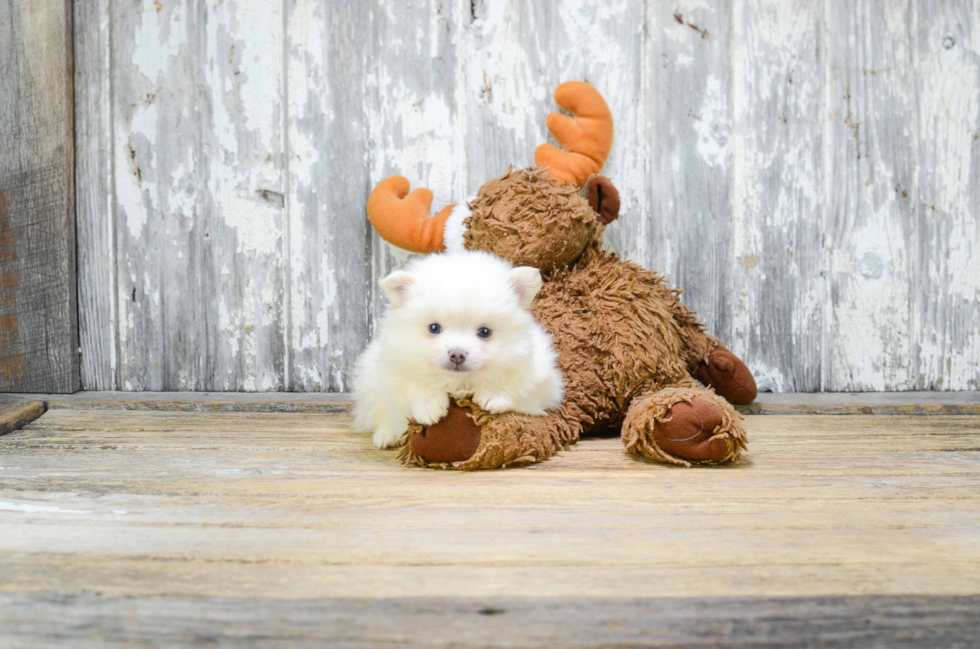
(483, 332)
(435, 328)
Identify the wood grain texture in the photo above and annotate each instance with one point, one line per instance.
(95, 197)
(870, 228)
(160, 269)
(687, 227)
(946, 50)
(242, 151)
(331, 402)
(199, 183)
(17, 413)
(805, 172)
(235, 511)
(779, 259)
(329, 56)
(38, 300)
(98, 620)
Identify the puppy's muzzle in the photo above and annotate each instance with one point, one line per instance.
(457, 359)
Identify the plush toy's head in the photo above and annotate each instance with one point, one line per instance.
(531, 217)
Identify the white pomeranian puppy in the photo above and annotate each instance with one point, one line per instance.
(458, 325)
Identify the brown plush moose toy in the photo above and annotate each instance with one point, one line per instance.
(632, 354)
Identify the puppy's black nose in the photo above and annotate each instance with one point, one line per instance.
(457, 356)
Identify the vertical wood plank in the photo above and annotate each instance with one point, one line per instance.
(687, 233)
(200, 194)
(412, 100)
(870, 193)
(777, 281)
(328, 59)
(97, 322)
(159, 196)
(38, 298)
(947, 278)
(515, 53)
(243, 152)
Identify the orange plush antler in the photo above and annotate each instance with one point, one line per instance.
(403, 220)
(586, 136)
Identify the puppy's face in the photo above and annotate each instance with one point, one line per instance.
(462, 322)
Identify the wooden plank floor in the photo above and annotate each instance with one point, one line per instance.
(248, 529)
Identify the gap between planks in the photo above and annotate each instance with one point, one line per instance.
(824, 403)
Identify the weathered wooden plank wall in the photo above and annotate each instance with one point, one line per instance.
(809, 172)
(38, 312)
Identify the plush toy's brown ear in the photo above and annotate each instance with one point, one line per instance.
(604, 198)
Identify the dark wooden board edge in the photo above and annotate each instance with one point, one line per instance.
(17, 413)
(869, 408)
(88, 618)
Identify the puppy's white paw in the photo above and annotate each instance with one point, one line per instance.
(387, 437)
(431, 409)
(494, 403)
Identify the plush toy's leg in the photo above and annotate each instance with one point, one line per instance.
(710, 362)
(469, 438)
(728, 375)
(684, 424)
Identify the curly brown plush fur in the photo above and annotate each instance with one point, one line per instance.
(530, 219)
(626, 344)
(629, 349)
(697, 425)
(503, 440)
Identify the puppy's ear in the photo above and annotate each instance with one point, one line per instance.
(396, 286)
(526, 282)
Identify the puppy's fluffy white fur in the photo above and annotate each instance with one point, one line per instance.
(458, 325)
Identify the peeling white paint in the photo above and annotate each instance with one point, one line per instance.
(712, 125)
(497, 76)
(733, 128)
(28, 508)
(158, 38)
(776, 181)
(870, 185)
(949, 128)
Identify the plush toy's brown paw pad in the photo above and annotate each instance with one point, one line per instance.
(728, 375)
(689, 432)
(454, 438)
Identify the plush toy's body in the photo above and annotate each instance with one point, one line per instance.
(632, 354)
